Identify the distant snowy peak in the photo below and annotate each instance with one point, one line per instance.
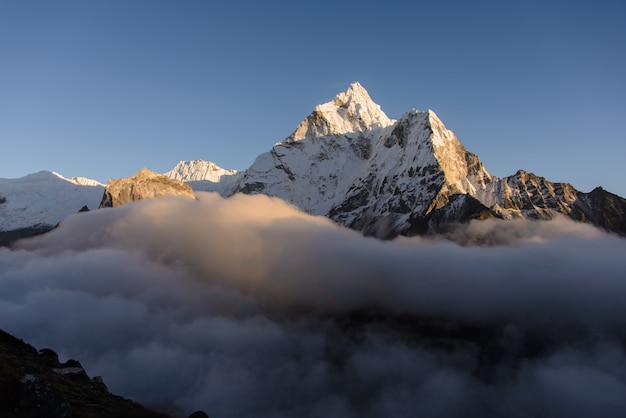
(349, 112)
(42, 177)
(81, 181)
(44, 198)
(198, 170)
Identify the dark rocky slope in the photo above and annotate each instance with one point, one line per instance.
(34, 384)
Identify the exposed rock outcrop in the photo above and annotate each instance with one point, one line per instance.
(601, 208)
(7, 238)
(34, 384)
(145, 184)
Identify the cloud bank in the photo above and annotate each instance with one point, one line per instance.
(247, 307)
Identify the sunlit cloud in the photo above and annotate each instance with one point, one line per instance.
(228, 295)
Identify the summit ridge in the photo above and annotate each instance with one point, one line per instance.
(349, 112)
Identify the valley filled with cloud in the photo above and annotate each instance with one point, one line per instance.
(247, 306)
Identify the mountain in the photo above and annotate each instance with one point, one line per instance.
(204, 176)
(45, 198)
(198, 170)
(145, 184)
(37, 202)
(350, 162)
(347, 160)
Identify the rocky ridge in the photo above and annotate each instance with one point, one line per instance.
(145, 184)
(34, 384)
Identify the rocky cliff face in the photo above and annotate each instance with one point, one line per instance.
(600, 208)
(145, 184)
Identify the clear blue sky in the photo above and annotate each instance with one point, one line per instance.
(102, 88)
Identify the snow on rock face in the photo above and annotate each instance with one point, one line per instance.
(401, 178)
(314, 174)
(205, 176)
(525, 195)
(349, 112)
(44, 198)
(317, 165)
(350, 162)
(415, 168)
(198, 170)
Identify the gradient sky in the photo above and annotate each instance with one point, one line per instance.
(103, 88)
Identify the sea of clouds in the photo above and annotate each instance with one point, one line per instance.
(248, 307)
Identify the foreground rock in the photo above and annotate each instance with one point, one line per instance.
(145, 184)
(34, 384)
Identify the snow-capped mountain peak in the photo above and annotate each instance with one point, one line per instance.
(205, 176)
(349, 112)
(198, 170)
